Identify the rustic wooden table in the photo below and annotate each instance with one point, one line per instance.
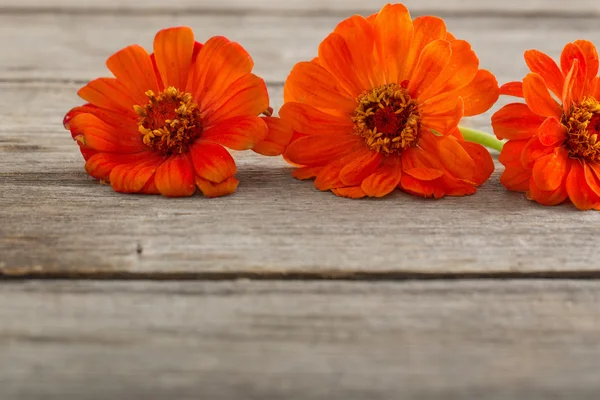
(279, 291)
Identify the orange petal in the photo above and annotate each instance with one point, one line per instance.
(441, 120)
(134, 70)
(348, 54)
(515, 121)
(515, 177)
(456, 159)
(479, 95)
(545, 66)
(426, 30)
(395, 31)
(309, 120)
(175, 177)
(385, 178)
(591, 178)
(322, 149)
(421, 188)
(512, 151)
(277, 139)
(237, 133)
(579, 190)
(100, 165)
(458, 72)
(552, 131)
(210, 189)
(132, 177)
(349, 192)
(484, 164)
(98, 135)
(312, 84)
(455, 187)
(538, 98)
(512, 89)
(432, 60)
(416, 163)
(219, 70)
(573, 55)
(360, 167)
(245, 97)
(570, 89)
(108, 93)
(173, 49)
(546, 198)
(329, 176)
(306, 172)
(212, 162)
(533, 150)
(117, 119)
(570, 53)
(595, 88)
(591, 57)
(550, 171)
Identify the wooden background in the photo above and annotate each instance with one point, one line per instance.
(279, 291)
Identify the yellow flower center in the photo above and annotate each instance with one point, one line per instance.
(170, 122)
(583, 128)
(388, 119)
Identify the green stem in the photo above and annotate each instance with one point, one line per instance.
(483, 138)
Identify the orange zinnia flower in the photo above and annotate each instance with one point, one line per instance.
(553, 151)
(379, 109)
(159, 126)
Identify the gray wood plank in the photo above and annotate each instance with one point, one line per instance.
(533, 340)
(75, 47)
(57, 220)
(585, 7)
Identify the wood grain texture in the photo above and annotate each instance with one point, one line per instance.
(75, 47)
(516, 7)
(300, 341)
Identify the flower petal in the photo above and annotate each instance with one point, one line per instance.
(312, 84)
(416, 163)
(434, 57)
(210, 189)
(385, 178)
(360, 167)
(440, 119)
(133, 177)
(545, 66)
(307, 119)
(277, 139)
(134, 70)
(571, 88)
(349, 192)
(426, 30)
(322, 149)
(515, 121)
(484, 164)
(394, 28)
(175, 177)
(100, 165)
(212, 162)
(533, 150)
(245, 97)
(551, 132)
(546, 198)
(97, 135)
(456, 159)
(108, 93)
(550, 171)
(579, 190)
(461, 69)
(538, 98)
(479, 95)
(306, 172)
(515, 177)
(237, 133)
(173, 49)
(513, 89)
(512, 151)
(421, 188)
(591, 57)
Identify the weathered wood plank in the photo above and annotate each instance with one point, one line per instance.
(55, 219)
(66, 47)
(246, 340)
(586, 7)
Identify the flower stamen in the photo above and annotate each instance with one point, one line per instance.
(170, 122)
(583, 128)
(388, 119)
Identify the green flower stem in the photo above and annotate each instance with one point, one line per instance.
(483, 138)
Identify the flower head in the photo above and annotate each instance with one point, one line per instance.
(380, 105)
(159, 126)
(553, 151)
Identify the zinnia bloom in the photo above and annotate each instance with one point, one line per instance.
(159, 126)
(380, 105)
(553, 151)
